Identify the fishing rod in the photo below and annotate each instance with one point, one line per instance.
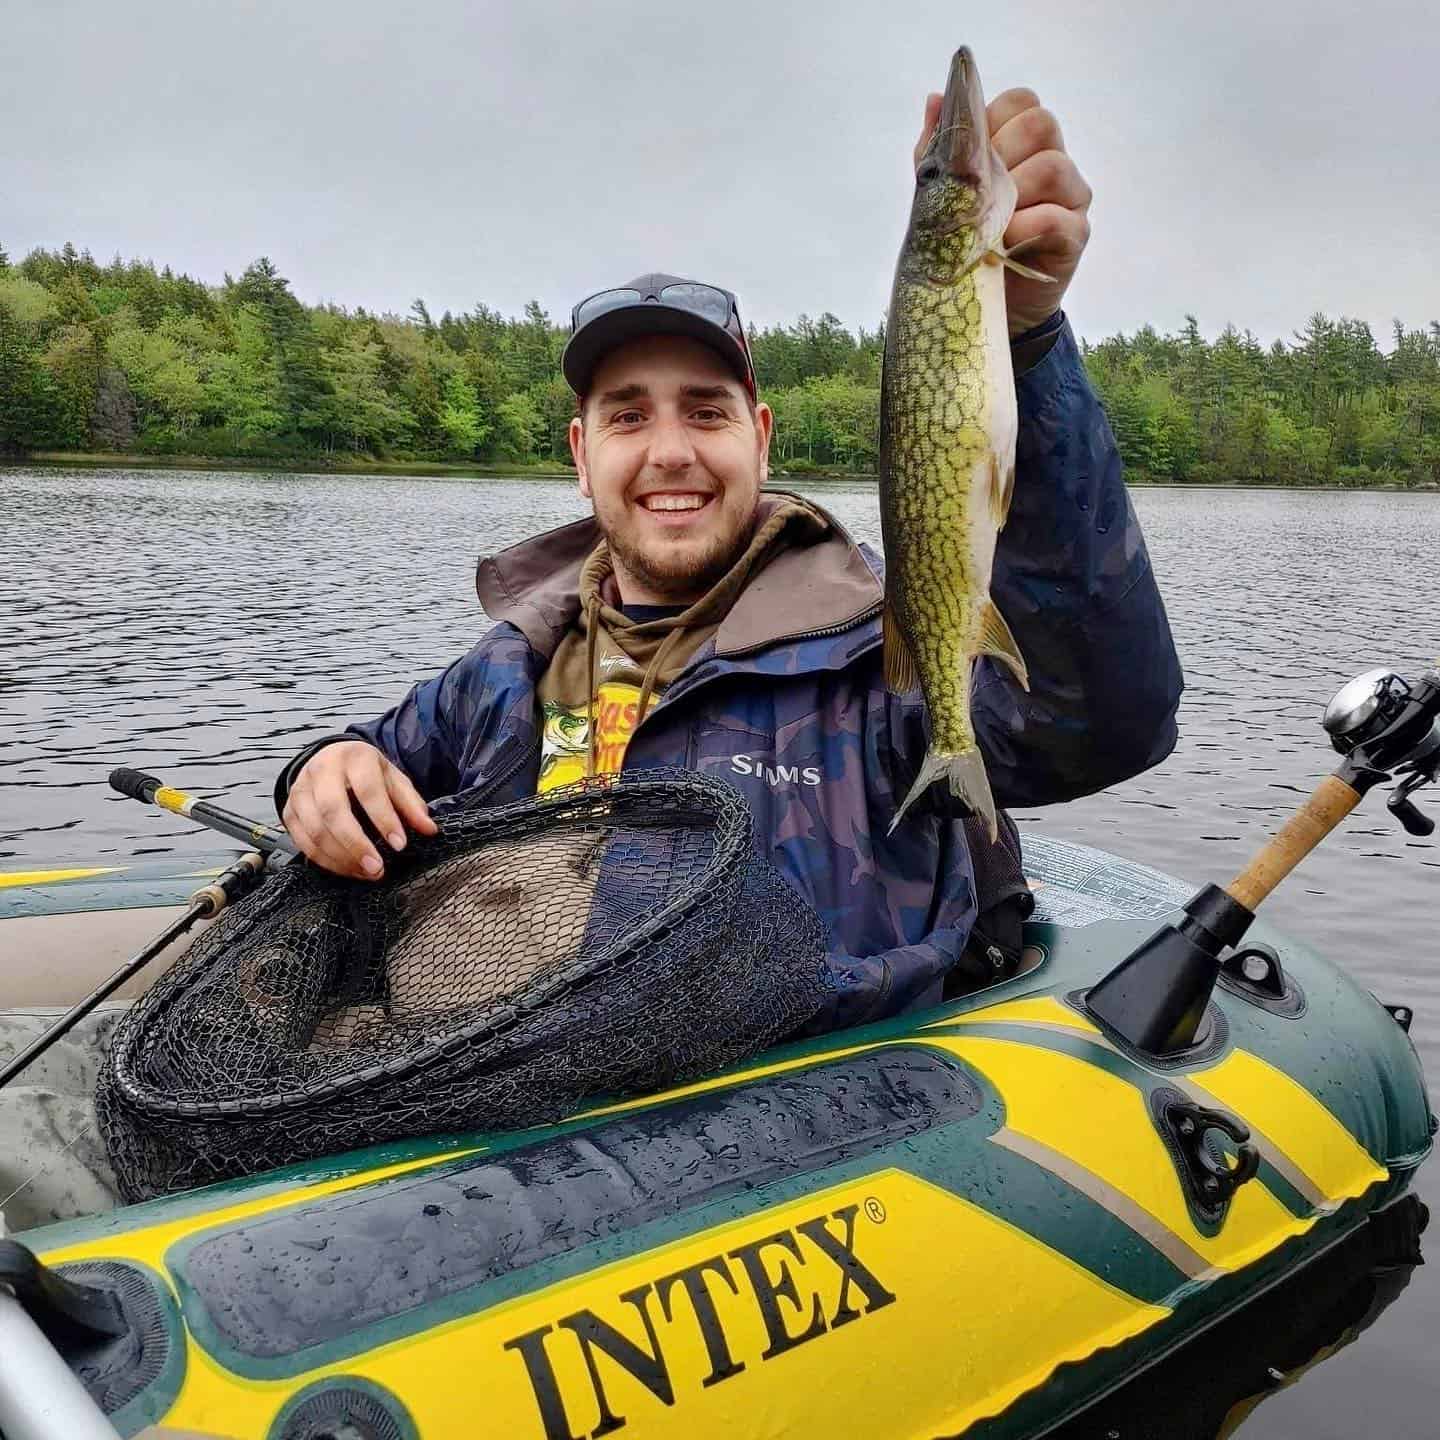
(208, 901)
(150, 791)
(1155, 999)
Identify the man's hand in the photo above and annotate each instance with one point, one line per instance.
(1051, 219)
(321, 822)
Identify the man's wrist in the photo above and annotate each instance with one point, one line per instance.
(287, 777)
(1031, 346)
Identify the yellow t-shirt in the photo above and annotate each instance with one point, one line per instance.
(629, 649)
(565, 737)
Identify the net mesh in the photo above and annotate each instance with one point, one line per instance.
(605, 938)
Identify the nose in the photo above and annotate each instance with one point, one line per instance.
(670, 444)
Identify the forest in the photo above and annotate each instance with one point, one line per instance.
(125, 358)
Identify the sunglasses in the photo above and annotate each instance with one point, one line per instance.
(707, 301)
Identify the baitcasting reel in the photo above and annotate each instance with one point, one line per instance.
(1395, 728)
(1155, 998)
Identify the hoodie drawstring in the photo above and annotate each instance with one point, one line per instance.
(651, 678)
(653, 671)
(592, 631)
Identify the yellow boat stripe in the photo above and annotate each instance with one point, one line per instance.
(52, 877)
(849, 1349)
(150, 1243)
(1047, 1014)
(732, 1078)
(1269, 1101)
(1104, 1124)
(1030, 1010)
(1189, 1262)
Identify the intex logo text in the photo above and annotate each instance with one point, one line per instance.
(803, 1282)
(775, 775)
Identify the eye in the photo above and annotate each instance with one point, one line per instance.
(629, 417)
(929, 171)
(709, 412)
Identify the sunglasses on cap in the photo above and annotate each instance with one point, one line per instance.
(709, 302)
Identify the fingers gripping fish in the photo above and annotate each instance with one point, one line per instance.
(947, 437)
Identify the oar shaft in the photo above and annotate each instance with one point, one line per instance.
(150, 791)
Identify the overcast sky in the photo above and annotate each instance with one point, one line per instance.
(1251, 161)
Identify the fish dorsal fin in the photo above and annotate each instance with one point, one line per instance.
(900, 674)
(996, 640)
(1002, 487)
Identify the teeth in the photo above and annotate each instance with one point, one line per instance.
(673, 502)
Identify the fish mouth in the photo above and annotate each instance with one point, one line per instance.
(960, 146)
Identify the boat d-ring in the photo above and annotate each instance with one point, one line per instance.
(1208, 1174)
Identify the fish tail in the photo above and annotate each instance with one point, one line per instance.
(968, 783)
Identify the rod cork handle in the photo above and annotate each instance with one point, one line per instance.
(1331, 801)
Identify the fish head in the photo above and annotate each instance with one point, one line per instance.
(964, 195)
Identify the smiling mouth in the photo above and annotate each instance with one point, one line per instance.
(669, 502)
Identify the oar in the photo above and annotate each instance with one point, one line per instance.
(209, 900)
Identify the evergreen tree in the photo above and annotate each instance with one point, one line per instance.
(28, 406)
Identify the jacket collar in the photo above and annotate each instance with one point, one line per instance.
(821, 586)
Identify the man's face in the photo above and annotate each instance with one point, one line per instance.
(672, 458)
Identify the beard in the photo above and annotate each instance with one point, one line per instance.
(681, 573)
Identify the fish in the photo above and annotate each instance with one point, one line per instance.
(948, 425)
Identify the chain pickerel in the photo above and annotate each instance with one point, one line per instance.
(947, 437)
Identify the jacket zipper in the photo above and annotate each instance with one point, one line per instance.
(819, 634)
(478, 793)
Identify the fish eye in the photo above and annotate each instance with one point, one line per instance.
(929, 171)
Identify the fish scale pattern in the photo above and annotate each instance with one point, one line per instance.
(937, 448)
(607, 937)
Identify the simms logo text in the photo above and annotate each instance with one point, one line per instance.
(775, 775)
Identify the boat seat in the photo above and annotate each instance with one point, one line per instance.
(60, 959)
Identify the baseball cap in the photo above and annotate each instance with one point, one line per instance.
(655, 304)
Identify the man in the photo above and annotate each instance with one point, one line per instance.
(694, 622)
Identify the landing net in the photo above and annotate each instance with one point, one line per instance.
(605, 938)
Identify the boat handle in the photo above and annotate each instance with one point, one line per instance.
(1211, 1175)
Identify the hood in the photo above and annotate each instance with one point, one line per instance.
(822, 585)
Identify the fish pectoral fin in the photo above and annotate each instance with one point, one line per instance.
(901, 676)
(996, 640)
(1010, 262)
(1002, 488)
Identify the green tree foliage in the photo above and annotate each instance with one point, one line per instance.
(460, 417)
(29, 406)
(123, 355)
(520, 425)
(1328, 409)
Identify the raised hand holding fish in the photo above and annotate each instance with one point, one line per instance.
(1051, 223)
(949, 422)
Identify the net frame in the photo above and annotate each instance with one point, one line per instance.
(730, 963)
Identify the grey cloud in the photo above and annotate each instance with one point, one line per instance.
(1251, 162)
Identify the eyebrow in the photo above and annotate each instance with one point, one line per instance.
(708, 392)
(636, 391)
(623, 393)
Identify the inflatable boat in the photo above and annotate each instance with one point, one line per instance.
(980, 1219)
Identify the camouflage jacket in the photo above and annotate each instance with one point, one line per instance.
(787, 702)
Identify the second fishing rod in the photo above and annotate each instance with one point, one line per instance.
(207, 902)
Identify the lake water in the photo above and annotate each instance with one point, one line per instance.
(204, 626)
